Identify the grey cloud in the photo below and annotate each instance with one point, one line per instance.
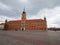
(32, 8)
(35, 4)
(35, 7)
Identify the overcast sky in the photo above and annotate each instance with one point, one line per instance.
(35, 9)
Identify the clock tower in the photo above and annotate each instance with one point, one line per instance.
(23, 20)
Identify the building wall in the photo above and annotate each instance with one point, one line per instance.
(28, 24)
(13, 25)
(36, 25)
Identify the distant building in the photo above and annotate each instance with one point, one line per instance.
(24, 24)
(54, 29)
(2, 26)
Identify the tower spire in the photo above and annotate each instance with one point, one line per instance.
(44, 18)
(6, 21)
(24, 11)
(24, 15)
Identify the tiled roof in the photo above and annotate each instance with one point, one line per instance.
(32, 20)
(35, 20)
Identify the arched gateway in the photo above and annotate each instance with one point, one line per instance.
(23, 28)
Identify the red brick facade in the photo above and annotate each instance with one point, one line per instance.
(24, 24)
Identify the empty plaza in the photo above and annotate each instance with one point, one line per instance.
(29, 37)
